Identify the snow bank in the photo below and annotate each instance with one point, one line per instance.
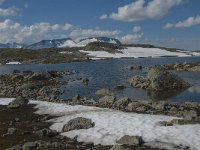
(13, 63)
(5, 101)
(135, 52)
(110, 125)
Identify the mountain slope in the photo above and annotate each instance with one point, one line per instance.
(11, 45)
(60, 43)
(48, 44)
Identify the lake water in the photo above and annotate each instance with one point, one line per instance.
(113, 72)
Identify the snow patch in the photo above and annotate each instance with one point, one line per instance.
(110, 125)
(135, 52)
(69, 43)
(13, 63)
(6, 101)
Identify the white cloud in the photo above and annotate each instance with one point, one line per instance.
(191, 21)
(168, 26)
(12, 11)
(80, 33)
(67, 27)
(141, 10)
(104, 16)
(136, 29)
(131, 38)
(14, 32)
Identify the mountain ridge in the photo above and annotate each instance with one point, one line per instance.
(60, 43)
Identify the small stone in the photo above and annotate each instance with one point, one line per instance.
(11, 131)
(131, 140)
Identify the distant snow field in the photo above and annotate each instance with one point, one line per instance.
(111, 125)
(13, 63)
(135, 52)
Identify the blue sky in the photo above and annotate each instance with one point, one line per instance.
(171, 23)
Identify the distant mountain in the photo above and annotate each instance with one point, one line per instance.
(98, 39)
(61, 43)
(48, 44)
(11, 45)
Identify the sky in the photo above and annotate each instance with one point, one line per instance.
(169, 23)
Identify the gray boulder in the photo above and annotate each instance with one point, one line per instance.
(122, 103)
(107, 101)
(77, 124)
(47, 133)
(164, 80)
(18, 102)
(131, 140)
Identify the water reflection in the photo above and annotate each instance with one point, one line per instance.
(163, 95)
(110, 73)
(194, 89)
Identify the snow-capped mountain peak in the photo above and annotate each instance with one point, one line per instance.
(61, 43)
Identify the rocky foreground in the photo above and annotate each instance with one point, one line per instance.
(21, 127)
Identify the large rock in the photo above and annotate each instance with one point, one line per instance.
(18, 102)
(107, 101)
(164, 80)
(104, 92)
(122, 103)
(77, 124)
(131, 140)
(47, 133)
(159, 80)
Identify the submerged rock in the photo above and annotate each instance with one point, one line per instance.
(160, 84)
(104, 92)
(77, 124)
(135, 67)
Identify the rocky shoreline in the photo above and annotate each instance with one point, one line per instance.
(45, 86)
(195, 66)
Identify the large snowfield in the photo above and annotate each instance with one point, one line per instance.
(135, 52)
(110, 125)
